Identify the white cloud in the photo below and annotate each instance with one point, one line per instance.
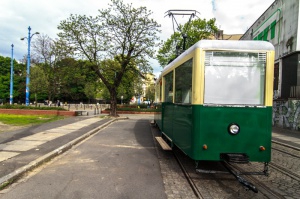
(236, 16)
(233, 16)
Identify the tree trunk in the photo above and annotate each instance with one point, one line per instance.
(113, 103)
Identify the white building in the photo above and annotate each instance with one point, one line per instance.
(279, 24)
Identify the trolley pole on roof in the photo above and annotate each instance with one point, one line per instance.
(172, 14)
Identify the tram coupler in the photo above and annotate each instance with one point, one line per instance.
(266, 169)
(265, 172)
(245, 183)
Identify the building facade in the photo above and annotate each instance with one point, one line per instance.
(279, 24)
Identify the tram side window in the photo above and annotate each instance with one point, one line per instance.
(169, 87)
(183, 82)
(158, 92)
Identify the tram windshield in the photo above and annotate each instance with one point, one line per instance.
(234, 78)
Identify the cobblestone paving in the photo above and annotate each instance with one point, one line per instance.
(175, 182)
(286, 186)
(225, 186)
(211, 186)
(290, 162)
(218, 185)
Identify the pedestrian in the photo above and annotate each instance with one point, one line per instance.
(58, 103)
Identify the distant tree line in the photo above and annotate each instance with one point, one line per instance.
(19, 80)
(68, 80)
(101, 57)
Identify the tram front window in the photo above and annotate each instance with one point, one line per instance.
(234, 78)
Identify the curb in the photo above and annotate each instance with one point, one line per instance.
(10, 178)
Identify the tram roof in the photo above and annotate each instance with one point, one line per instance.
(234, 45)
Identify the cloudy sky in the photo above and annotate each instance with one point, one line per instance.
(232, 16)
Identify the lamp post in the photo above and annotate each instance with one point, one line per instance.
(11, 76)
(28, 65)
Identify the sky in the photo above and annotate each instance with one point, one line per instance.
(43, 16)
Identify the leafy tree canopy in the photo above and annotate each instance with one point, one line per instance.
(197, 29)
(18, 79)
(119, 39)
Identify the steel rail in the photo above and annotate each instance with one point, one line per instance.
(188, 177)
(263, 189)
(286, 145)
(285, 171)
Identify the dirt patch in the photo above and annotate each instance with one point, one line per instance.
(6, 127)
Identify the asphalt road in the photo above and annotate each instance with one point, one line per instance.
(120, 161)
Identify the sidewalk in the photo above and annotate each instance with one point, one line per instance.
(26, 148)
(118, 162)
(287, 136)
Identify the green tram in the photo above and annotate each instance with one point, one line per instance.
(215, 101)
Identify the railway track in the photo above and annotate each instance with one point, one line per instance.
(265, 190)
(283, 181)
(195, 189)
(291, 155)
(200, 183)
(216, 183)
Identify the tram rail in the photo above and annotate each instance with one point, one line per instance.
(207, 182)
(265, 190)
(285, 171)
(201, 191)
(194, 187)
(294, 154)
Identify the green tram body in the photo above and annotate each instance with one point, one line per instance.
(200, 129)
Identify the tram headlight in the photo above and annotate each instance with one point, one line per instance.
(233, 129)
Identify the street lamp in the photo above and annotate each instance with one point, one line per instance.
(28, 65)
(11, 75)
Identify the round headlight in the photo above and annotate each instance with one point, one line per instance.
(233, 129)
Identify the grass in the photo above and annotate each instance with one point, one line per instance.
(23, 120)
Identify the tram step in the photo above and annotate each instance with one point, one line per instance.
(163, 144)
(235, 157)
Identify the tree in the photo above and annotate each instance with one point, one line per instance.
(19, 79)
(38, 83)
(126, 88)
(70, 79)
(48, 53)
(198, 29)
(4, 77)
(90, 90)
(44, 49)
(119, 39)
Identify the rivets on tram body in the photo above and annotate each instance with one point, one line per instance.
(204, 146)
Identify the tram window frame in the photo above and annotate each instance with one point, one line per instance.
(230, 84)
(168, 87)
(183, 83)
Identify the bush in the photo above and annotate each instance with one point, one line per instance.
(136, 108)
(132, 106)
(8, 106)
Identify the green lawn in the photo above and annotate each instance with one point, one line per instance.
(22, 120)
